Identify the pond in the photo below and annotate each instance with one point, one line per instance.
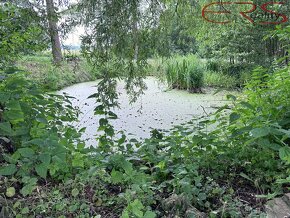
(158, 108)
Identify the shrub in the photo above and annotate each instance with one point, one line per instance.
(185, 72)
(42, 144)
(228, 68)
(216, 79)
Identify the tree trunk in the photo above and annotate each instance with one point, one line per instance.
(53, 32)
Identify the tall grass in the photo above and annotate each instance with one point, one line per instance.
(192, 73)
(44, 72)
(185, 72)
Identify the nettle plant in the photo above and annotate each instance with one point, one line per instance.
(265, 117)
(37, 141)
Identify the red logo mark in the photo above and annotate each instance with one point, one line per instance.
(206, 10)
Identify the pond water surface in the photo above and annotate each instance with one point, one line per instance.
(156, 109)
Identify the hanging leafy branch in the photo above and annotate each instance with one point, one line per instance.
(120, 39)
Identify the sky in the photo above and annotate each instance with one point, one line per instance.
(74, 38)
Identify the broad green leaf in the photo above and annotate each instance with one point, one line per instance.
(232, 97)
(117, 177)
(8, 170)
(41, 170)
(103, 122)
(45, 158)
(12, 158)
(137, 207)
(15, 116)
(14, 105)
(41, 120)
(4, 96)
(95, 95)
(161, 165)
(137, 212)
(26, 152)
(150, 214)
(10, 192)
(25, 210)
(75, 192)
(27, 189)
(6, 129)
(81, 146)
(260, 132)
(110, 131)
(99, 110)
(247, 105)
(127, 166)
(112, 115)
(122, 140)
(125, 214)
(284, 154)
(234, 117)
(202, 196)
(78, 160)
(37, 141)
(21, 130)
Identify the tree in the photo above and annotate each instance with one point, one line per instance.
(20, 33)
(49, 14)
(53, 32)
(236, 46)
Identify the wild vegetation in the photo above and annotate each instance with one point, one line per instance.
(74, 69)
(226, 164)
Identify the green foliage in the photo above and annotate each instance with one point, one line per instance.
(194, 168)
(235, 48)
(211, 166)
(36, 123)
(120, 43)
(219, 80)
(240, 72)
(185, 73)
(135, 209)
(51, 77)
(20, 33)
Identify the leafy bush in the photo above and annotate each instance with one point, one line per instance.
(215, 79)
(225, 69)
(185, 73)
(34, 125)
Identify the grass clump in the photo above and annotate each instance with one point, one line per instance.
(192, 73)
(185, 72)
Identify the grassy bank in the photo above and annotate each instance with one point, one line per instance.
(41, 70)
(181, 72)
